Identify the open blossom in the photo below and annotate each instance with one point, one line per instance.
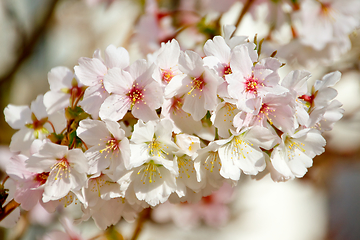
(241, 152)
(294, 154)
(67, 169)
(322, 100)
(248, 84)
(183, 121)
(199, 86)
(133, 90)
(29, 184)
(109, 146)
(167, 60)
(275, 110)
(218, 55)
(207, 165)
(33, 123)
(152, 161)
(91, 72)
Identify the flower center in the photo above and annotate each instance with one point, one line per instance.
(150, 171)
(41, 177)
(227, 70)
(265, 110)
(184, 166)
(61, 168)
(167, 75)
(111, 146)
(135, 95)
(38, 126)
(239, 148)
(292, 146)
(211, 160)
(197, 84)
(156, 149)
(252, 85)
(177, 104)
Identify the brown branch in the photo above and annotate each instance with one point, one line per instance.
(243, 11)
(145, 214)
(4, 212)
(28, 47)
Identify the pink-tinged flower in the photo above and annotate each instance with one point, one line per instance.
(293, 156)
(109, 149)
(249, 83)
(183, 121)
(33, 123)
(67, 169)
(29, 185)
(241, 152)
(218, 55)
(322, 100)
(275, 110)
(166, 60)
(64, 89)
(199, 86)
(91, 72)
(133, 90)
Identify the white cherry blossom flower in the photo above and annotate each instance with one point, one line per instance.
(167, 60)
(33, 123)
(135, 90)
(109, 146)
(67, 169)
(249, 83)
(152, 161)
(241, 152)
(199, 86)
(293, 156)
(91, 72)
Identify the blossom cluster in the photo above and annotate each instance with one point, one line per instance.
(119, 137)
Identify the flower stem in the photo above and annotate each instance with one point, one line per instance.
(243, 11)
(145, 214)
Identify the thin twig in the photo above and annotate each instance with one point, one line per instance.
(145, 214)
(28, 47)
(243, 11)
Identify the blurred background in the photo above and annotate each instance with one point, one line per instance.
(37, 35)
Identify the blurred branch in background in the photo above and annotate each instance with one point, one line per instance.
(26, 44)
